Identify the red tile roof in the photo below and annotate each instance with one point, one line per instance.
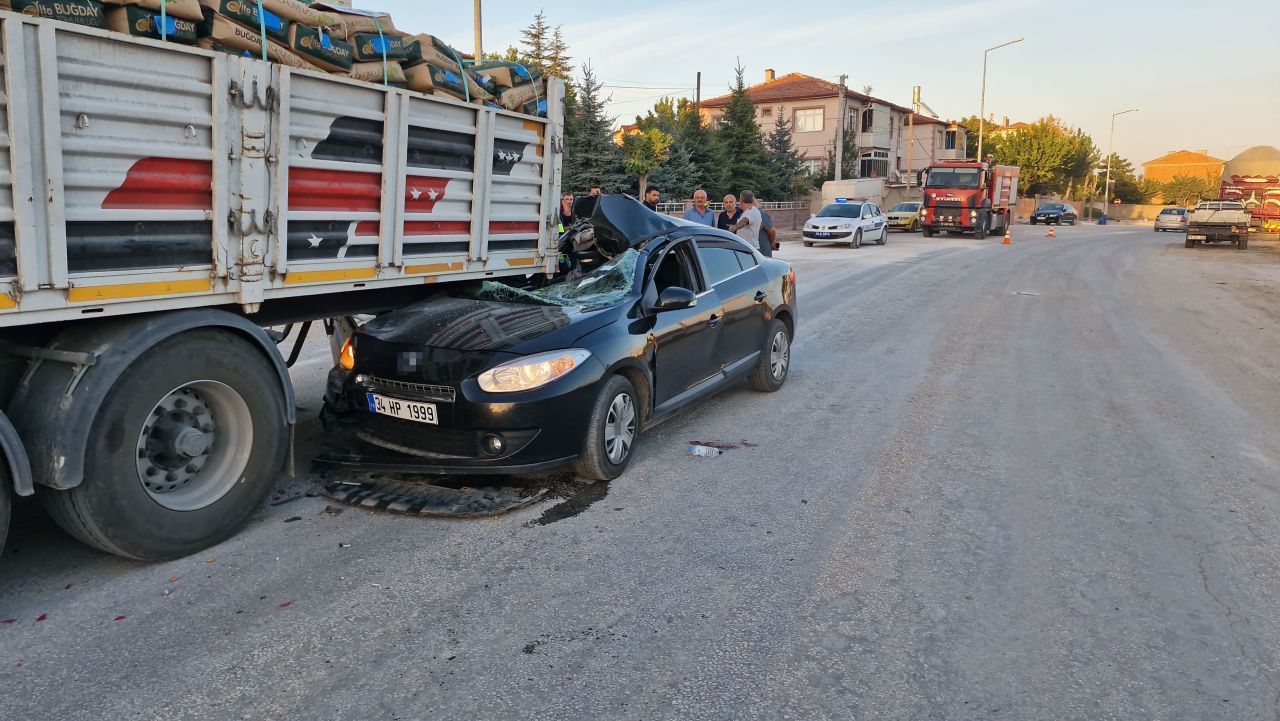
(798, 86)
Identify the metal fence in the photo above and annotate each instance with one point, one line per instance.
(681, 206)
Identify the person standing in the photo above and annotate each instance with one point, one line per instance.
(651, 197)
(566, 211)
(700, 213)
(768, 236)
(730, 215)
(748, 225)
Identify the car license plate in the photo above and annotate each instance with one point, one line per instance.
(822, 235)
(405, 410)
(1197, 237)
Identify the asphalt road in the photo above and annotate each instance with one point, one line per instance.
(1035, 481)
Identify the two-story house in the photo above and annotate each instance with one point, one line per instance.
(891, 140)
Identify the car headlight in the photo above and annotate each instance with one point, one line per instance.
(845, 226)
(529, 372)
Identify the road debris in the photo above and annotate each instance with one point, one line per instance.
(118, 618)
(697, 449)
(332, 510)
(41, 617)
(291, 519)
(427, 499)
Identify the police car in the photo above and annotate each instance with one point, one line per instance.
(847, 221)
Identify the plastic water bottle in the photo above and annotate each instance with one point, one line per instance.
(695, 450)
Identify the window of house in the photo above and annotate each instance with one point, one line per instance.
(874, 164)
(808, 120)
(812, 166)
(949, 140)
(868, 120)
(766, 112)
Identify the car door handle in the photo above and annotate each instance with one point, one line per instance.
(713, 321)
(760, 296)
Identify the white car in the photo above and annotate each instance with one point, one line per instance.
(847, 221)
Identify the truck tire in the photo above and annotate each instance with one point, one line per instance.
(6, 504)
(926, 231)
(980, 230)
(1243, 243)
(185, 446)
(1190, 243)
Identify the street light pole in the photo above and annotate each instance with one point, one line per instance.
(1106, 186)
(982, 101)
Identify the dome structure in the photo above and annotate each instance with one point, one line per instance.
(1260, 161)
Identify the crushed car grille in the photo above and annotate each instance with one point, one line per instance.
(415, 391)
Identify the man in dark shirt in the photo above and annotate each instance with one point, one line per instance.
(730, 215)
(651, 197)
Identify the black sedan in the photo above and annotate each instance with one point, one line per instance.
(1054, 213)
(495, 379)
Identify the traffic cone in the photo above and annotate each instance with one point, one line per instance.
(1051, 235)
(1007, 240)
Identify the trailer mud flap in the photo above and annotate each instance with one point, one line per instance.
(417, 498)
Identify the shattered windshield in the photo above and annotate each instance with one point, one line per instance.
(605, 286)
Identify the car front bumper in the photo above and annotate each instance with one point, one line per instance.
(901, 222)
(810, 234)
(539, 429)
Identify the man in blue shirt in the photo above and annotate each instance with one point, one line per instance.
(700, 213)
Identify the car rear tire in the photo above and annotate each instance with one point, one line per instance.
(857, 239)
(1033, 221)
(611, 433)
(775, 360)
(184, 448)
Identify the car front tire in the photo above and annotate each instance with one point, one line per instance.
(611, 433)
(775, 359)
(857, 239)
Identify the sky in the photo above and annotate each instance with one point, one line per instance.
(1203, 75)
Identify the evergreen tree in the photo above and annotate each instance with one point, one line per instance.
(590, 157)
(848, 164)
(738, 138)
(558, 62)
(679, 176)
(694, 137)
(537, 41)
(785, 162)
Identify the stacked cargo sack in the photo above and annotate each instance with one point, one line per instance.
(358, 44)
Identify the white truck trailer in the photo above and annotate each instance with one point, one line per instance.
(161, 207)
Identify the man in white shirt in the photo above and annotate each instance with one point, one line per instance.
(748, 227)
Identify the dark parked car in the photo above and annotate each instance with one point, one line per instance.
(1054, 213)
(498, 379)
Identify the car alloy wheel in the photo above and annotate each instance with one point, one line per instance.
(779, 355)
(620, 428)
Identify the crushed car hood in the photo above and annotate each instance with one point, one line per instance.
(621, 222)
(469, 324)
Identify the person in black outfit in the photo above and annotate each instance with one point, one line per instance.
(651, 197)
(566, 211)
(730, 215)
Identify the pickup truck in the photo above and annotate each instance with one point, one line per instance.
(163, 207)
(1214, 221)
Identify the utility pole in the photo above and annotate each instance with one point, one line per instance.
(1106, 187)
(840, 131)
(911, 132)
(697, 94)
(479, 43)
(982, 101)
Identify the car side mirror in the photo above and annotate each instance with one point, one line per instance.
(675, 298)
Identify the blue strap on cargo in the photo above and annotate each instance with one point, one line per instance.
(462, 72)
(382, 45)
(262, 29)
(537, 97)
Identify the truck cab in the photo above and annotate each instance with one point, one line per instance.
(968, 196)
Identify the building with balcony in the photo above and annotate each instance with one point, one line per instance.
(892, 142)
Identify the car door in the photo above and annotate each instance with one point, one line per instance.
(732, 270)
(881, 221)
(685, 342)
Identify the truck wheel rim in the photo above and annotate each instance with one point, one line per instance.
(194, 445)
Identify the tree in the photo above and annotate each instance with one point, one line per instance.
(694, 136)
(1125, 185)
(1188, 190)
(784, 161)
(644, 152)
(558, 62)
(537, 40)
(738, 138)
(590, 157)
(678, 177)
(848, 164)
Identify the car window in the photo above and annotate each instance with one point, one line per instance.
(746, 259)
(676, 269)
(841, 210)
(718, 263)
